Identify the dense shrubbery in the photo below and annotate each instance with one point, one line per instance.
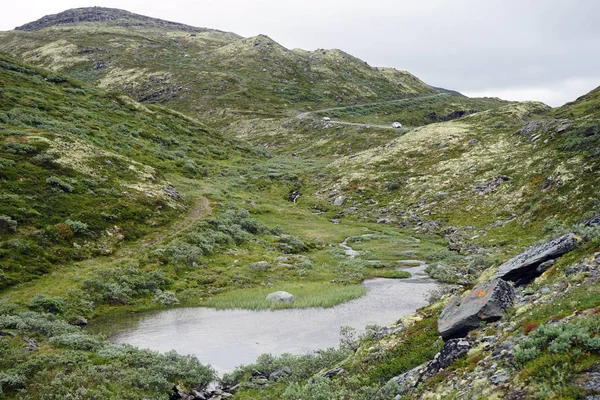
(560, 337)
(232, 227)
(298, 367)
(121, 285)
(41, 303)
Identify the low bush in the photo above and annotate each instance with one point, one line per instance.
(122, 285)
(54, 305)
(560, 337)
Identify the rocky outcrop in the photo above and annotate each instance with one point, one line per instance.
(453, 349)
(280, 297)
(533, 261)
(403, 383)
(180, 393)
(486, 302)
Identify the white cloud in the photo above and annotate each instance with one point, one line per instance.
(552, 93)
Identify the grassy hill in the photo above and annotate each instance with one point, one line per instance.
(201, 72)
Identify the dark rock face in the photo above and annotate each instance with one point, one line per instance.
(524, 267)
(453, 349)
(486, 302)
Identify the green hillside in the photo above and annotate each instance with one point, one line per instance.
(147, 165)
(204, 73)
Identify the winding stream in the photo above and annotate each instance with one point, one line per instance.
(227, 338)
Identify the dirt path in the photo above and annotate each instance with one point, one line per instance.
(199, 209)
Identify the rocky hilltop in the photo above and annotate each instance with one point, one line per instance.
(108, 17)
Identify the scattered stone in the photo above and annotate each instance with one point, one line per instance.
(339, 201)
(488, 187)
(294, 196)
(280, 296)
(402, 383)
(3, 333)
(453, 349)
(79, 321)
(280, 372)
(594, 221)
(486, 302)
(32, 344)
(333, 372)
(499, 378)
(473, 141)
(387, 331)
(524, 267)
(172, 192)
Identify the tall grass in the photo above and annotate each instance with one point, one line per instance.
(311, 294)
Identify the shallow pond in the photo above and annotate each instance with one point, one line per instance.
(227, 338)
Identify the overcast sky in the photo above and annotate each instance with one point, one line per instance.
(544, 50)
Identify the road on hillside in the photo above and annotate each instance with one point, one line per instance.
(308, 113)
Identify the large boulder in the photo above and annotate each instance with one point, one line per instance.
(533, 261)
(280, 296)
(486, 302)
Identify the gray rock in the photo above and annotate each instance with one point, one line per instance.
(339, 201)
(524, 267)
(279, 373)
(79, 321)
(453, 349)
(543, 267)
(594, 221)
(280, 296)
(333, 372)
(401, 384)
(3, 333)
(294, 196)
(486, 302)
(500, 377)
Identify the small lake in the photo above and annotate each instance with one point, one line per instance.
(228, 338)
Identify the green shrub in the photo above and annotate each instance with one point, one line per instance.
(559, 338)
(121, 285)
(291, 244)
(59, 184)
(54, 305)
(166, 298)
(77, 227)
(20, 148)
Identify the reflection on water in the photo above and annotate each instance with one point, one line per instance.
(227, 338)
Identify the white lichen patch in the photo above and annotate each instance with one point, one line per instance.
(117, 77)
(75, 154)
(56, 55)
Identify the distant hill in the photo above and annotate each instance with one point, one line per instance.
(215, 74)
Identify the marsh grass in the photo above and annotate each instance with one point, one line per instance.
(312, 294)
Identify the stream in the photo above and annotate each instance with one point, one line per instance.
(228, 338)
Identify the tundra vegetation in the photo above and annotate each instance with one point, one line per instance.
(148, 165)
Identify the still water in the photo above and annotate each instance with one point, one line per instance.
(227, 338)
